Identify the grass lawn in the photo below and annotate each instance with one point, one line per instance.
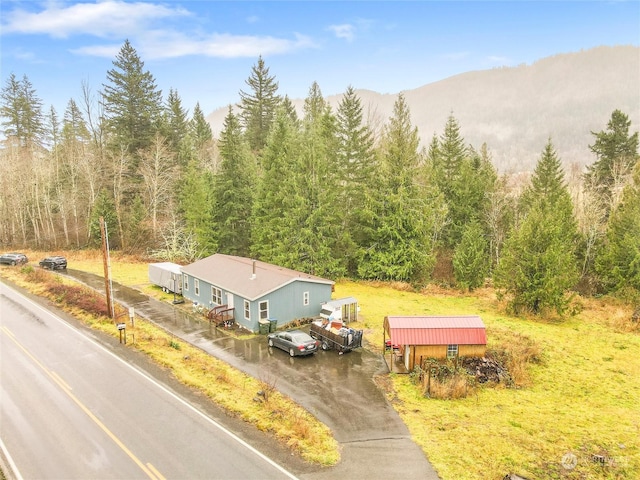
(582, 398)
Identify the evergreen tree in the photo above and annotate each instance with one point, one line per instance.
(472, 187)
(258, 105)
(619, 262)
(22, 110)
(132, 102)
(319, 233)
(176, 129)
(355, 164)
(399, 244)
(538, 265)
(196, 209)
(617, 152)
(199, 128)
(234, 190)
(275, 228)
(470, 260)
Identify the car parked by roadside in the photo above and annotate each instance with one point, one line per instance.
(295, 342)
(54, 263)
(13, 259)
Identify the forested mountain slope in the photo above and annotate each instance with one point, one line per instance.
(516, 110)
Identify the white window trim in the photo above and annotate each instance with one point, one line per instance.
(196, 286)
(452, 351)
(305, 298)
(247, 310)
(216, 295)
(186, 283)
(260, 310)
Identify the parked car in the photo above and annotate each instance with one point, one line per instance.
(54, 263)
(296, 342)
(13, 259)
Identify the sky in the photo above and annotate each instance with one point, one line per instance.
(205, 49)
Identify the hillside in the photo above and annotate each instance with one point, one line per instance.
(515, 110)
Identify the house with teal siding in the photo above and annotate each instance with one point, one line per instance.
(255, 290)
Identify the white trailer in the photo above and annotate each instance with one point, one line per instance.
(166, 275)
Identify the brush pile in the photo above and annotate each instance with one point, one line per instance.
(487, 370)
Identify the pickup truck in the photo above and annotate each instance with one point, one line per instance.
(343, 339)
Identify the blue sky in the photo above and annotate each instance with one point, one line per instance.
(205, 49)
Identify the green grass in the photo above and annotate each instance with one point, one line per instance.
(582, 398)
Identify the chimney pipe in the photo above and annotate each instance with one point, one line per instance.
(253, 271)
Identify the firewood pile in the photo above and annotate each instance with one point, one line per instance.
(487, 370)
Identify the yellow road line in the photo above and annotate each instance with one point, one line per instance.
(66, 389)
(154, 470)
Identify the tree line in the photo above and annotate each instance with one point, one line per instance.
(326, 192)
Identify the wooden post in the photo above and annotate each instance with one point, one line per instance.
(107, 269)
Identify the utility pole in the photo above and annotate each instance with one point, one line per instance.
(107, 267)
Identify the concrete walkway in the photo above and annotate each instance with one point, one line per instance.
(338, 389)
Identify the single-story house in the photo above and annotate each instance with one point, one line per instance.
(253, 291)
(420, 338)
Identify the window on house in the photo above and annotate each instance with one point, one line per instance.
(305, 298)
(196, 286)
(247, 310)
(216, 295)
(452, 351)
(186, 283)
(263, 308)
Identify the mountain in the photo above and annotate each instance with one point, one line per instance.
(515, 110)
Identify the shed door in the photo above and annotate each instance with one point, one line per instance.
(407, 349)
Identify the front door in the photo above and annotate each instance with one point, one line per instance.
(230, 299)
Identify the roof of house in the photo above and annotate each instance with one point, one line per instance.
(454, 330)
(250, 279)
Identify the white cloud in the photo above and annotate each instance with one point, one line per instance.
(102, 19)
(163, 44)
(117, 19)
(345, 30)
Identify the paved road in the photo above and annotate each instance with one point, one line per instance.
(71, 409)
(338, 389)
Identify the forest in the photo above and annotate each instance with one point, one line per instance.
(324, 192)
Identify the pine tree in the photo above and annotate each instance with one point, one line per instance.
(258, 105)
(199, 128)
(22, 110)
(317, 175)
(538, 265)
(470, 260)
(468, 200)
(234, 190)
(619, 262)
(176, 129)
(355, 164)
(399, 243)
(275, 228)
(132, 102)
(617, 152)
(196, 209)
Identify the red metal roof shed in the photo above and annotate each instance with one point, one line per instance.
(455, 330)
